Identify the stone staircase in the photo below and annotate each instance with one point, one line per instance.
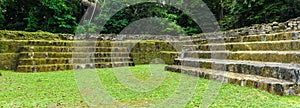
(44, 56)
(268, 62)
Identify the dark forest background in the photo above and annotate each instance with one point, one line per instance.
(63, 16)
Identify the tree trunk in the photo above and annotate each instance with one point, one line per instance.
(91, 10)
(87, 3)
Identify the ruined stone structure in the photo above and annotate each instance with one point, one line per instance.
(267, 59)
(262, 56)
(45, 55)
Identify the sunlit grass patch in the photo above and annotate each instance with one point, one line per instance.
(54, 89)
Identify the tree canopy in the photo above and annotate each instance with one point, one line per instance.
(63, 16)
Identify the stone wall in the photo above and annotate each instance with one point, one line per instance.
(145, 52)
(22, 35)
(256, 29)
(141, 52)
(8, 61)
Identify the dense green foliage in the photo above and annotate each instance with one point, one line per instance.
(171, 20)
(239, 13)
(63, 16)
(46, 15)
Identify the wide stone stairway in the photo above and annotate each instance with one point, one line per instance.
(44, 56)
(268, 62)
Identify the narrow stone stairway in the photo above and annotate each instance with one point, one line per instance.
(268, 62)
(43, 56)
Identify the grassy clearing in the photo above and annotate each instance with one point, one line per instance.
(60, 89)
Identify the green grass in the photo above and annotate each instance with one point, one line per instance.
(60, 89)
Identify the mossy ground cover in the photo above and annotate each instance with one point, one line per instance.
(54, 89)
(22, 35)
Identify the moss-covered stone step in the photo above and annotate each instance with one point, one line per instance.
(271, 85)
(259, 37)
(73, 49)
(285, 71)
(270, 37)
(10, 46)
(82, 43)
(169, 56)
(219, 40)
(42, 61)
(22, 35)
(284, 45)
(69, 43)
(8, 61)
(263, 56)
(248, 38)
(13, 46)
(72, 54)
(59, 67)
